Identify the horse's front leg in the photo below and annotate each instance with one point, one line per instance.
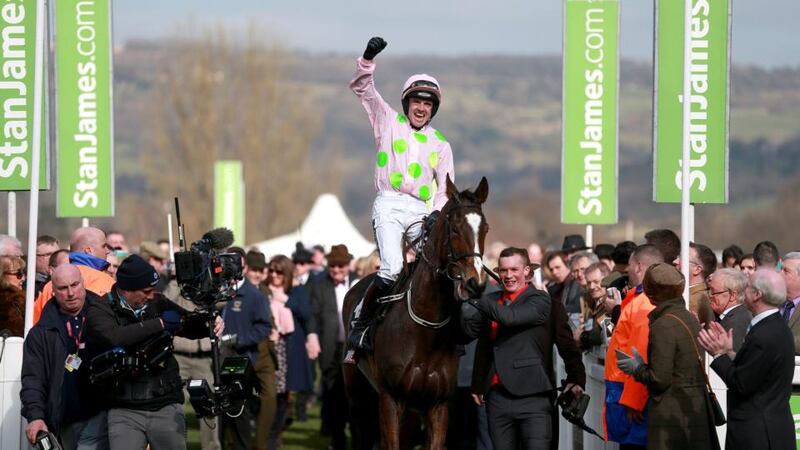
(391, 413)
(436, 424)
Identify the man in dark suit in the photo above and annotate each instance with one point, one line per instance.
(726, 294)
(327, 297)
(512, 372)
(759, 375)
(790, 269)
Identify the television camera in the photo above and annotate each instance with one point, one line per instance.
(207, 276)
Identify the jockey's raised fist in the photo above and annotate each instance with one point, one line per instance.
(374, 46)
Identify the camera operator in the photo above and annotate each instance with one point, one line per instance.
(56, 395)
(148, 407)
(195, 362)
(248, 317)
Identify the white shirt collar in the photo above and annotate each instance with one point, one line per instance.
(302, 279)
(763, 315)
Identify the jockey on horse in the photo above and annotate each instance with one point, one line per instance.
(411, 155)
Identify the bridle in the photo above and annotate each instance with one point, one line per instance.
(453, 257)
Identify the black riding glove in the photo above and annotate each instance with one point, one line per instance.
(374, 46)
(430, 220)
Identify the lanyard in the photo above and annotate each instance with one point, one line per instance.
(77, 339)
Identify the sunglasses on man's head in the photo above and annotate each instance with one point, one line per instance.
(19, 273)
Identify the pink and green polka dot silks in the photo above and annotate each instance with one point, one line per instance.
(406, 160)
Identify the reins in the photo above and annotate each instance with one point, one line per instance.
(452, 260)
(414, 317)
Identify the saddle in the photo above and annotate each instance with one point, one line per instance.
(384, 303)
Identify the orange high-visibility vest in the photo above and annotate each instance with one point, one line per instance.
(632, 330)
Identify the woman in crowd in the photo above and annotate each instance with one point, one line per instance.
(12, 296)
(279, 281)
(372, 264)
(680, 414)
(299, 371)
(747, 264)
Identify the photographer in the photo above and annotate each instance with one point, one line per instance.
(146, 408)
(56, 395)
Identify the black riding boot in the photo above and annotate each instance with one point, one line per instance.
(357, 340)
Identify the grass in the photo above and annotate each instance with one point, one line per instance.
(299, 436)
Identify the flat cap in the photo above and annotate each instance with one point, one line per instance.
(149, 249)
(662, 281)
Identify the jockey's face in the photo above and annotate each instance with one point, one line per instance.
(419, 112)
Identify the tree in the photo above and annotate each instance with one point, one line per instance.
(215, 100)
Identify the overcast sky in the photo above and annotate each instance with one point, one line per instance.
(765, 32)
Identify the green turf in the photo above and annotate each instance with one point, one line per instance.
(299, 435)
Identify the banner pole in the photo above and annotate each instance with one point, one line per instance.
(589, 235)
(12, 213)
(686, 225)
(33, 217)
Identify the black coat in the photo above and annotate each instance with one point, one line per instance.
(518, 353)
(759, 381)
(299, 371)
(559, 334)
(569, 292)
(44, 354)
(325, 324)
(111, 325)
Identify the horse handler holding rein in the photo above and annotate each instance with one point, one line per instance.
(410, 156)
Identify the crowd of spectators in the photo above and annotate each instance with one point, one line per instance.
(286, 320)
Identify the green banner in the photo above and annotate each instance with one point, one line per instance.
(589, 154)
(18, 36)
(85, 137)
(794, 405)
(229, 198)
(709, 75)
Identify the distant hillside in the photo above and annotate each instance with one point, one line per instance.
(502, 116)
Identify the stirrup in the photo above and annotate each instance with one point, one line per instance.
(357, 336)
(350, 357)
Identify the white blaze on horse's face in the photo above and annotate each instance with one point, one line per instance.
(474, 220)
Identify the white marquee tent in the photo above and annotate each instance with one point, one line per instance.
(326, 224)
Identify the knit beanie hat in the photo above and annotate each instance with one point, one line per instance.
(135, 273)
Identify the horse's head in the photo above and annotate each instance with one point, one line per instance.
(464, 229)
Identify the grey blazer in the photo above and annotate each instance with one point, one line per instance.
(738, 319)
(794, 325)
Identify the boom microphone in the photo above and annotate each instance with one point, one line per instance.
(219, 238)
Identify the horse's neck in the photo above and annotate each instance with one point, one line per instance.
(430, 291)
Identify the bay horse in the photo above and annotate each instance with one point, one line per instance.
(414, 363)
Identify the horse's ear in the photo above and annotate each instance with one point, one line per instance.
(483, 190)
(452, 191)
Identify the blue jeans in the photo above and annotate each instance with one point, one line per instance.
(89, 434)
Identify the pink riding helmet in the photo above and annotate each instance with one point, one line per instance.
(422, 86)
